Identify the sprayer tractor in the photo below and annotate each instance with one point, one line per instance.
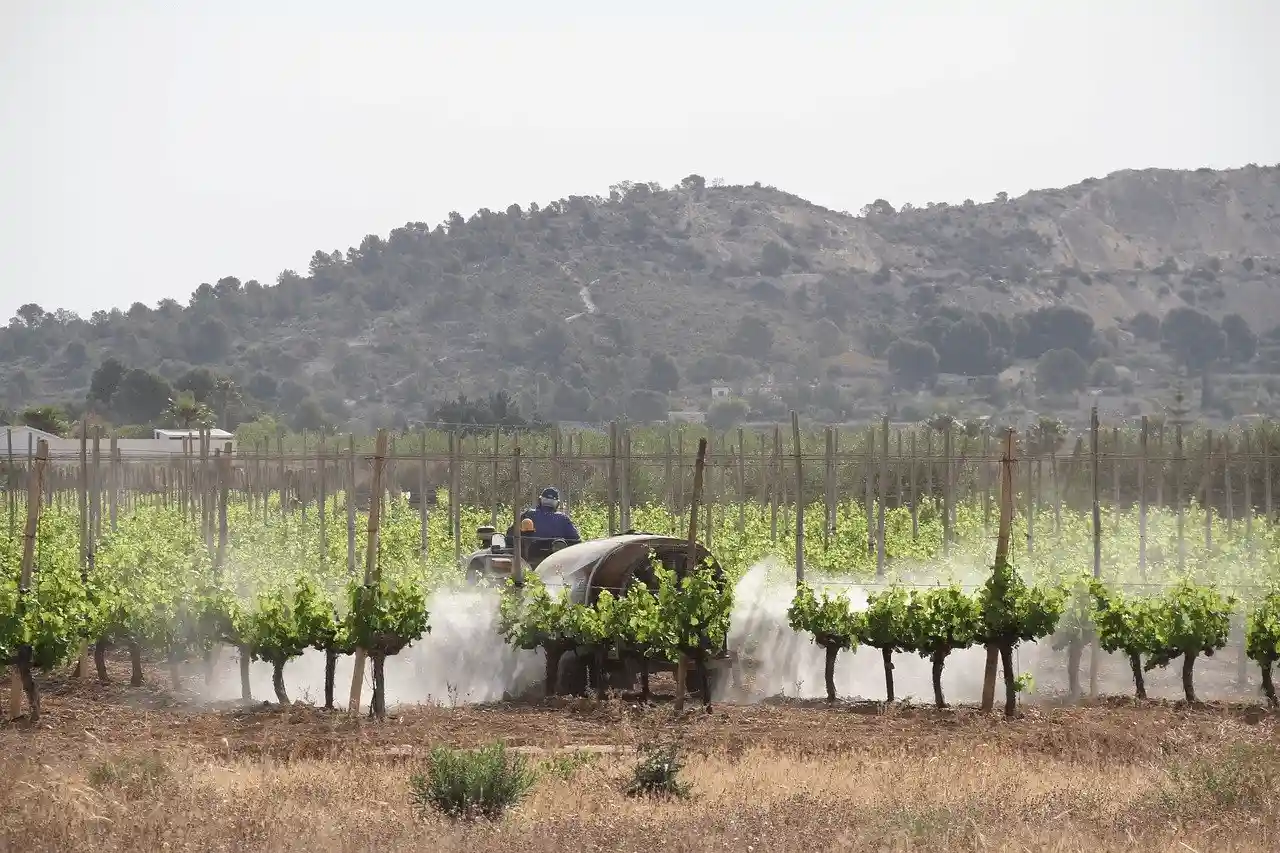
(494, 560)
(614, 563)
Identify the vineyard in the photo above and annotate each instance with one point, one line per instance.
(177, 560)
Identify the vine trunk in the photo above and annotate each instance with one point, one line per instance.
(1139, 681)
(277, 680)
(1010, 680)
(1188, 681)
(1268, 686)
(135, 664)
(887, 655)
(100, 659)
(1075, 652)
(330, 668)
(938, 659)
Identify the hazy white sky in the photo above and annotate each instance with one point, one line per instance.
(149, 145)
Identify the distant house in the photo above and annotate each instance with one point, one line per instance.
(687, 417)
(720, 392)
(955, 382)
(217, 438)
(163, 442)
(19, 438)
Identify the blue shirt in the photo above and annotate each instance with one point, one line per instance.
(551, 524)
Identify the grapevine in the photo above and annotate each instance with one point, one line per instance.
(1013, 612)
(833, 625)
(884, 627)
(941, 620)
(1191, 620)
(382, 619)
(1262, 641)
(1075, 629)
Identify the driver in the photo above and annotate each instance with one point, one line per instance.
(548, 522)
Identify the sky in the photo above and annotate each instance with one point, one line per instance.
(147, 146)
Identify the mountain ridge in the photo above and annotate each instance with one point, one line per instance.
(728, 283)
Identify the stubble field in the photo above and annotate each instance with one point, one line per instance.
(113, 768)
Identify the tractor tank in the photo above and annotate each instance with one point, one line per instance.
(615, 563)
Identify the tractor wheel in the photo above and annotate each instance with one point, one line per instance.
(571, 678)
(693, 684)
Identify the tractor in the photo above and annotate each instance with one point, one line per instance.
(615, 563)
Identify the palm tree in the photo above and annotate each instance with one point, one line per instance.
(186, 411)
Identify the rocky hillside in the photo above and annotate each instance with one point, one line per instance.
(589, 308)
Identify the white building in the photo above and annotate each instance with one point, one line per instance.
(163, 443)
(217, 437)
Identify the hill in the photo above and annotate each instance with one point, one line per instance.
(580, 307)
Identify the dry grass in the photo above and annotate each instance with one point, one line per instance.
(114, 769)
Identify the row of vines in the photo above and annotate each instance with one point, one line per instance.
(1183, 622)
(153, 587)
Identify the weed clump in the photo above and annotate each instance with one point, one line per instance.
(134, 775)
(657, 774)
(1243, 777)
(470, 784)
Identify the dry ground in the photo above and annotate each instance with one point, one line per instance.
(114, 768)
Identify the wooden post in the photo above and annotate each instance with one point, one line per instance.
(1206, 492)
(35, 492)
(1143, 443)
(679, 487)
(1229, 500)
(915, 497)
(372, 574)
(351, 505)
(691, 557)
(455, 501)
(1029, 499)
(10, 500)
(82, 494)
(948, 481)
(1266, 475)
(556, 473)
(775, 470)
(493, 473)
(668, 475)
(86, 534)
(796, 450)
(423, 536)
(1094, 656)
(113, 475)
(624, 499)
(95, 490)
(897, 469)
(1002, 558)
(742, 481)
(304, 495)
(322, 471)
(986, 483)
(882, 490)
(828, 489)
(1177, 488)
(1248, 497)
(868, 498)
(223, 462)
(613, 476)
(517, 553)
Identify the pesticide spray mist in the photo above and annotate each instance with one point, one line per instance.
(465, 661)
(789, 663)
